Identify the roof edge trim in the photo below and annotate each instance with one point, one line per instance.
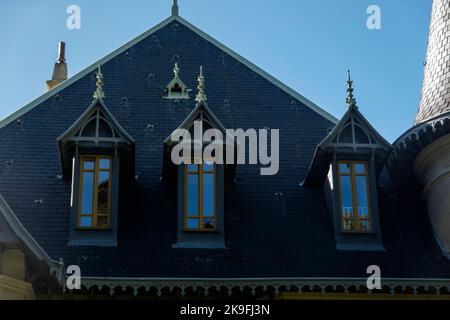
(260, 72)
(28, 107)
(4, 122)
(22, 233)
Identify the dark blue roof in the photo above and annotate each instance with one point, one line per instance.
(288, 236)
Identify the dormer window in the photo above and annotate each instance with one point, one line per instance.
(176, 89)
(346, 165)
(94, 209)
(200, 182)
(94, 152)
(354, 196)
(200, 197)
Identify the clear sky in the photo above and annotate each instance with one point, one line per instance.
(307, 44)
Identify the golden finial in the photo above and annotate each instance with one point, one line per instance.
(99, 93)
(176, 70)
(201, 96)
(351, 101)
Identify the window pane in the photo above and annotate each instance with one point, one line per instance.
(348, 225)
(192, 167)
(208, 223)
(104, 164)
(192, 194)
(364, 225)
(89, 164)
(361, 198)
(85, 222)
(344, 168)
(208, 166)
(102, 221)
(103, 192)
(87, 193)
(193, 223)
(104, 130)
(347, 203)
(360, 168)
(89, 129)
(208, 195)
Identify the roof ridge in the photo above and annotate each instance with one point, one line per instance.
(31, 105)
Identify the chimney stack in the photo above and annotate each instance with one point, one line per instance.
(60, 69)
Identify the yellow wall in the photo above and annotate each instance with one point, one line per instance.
(12, 276)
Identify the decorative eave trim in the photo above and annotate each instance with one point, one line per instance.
(413, 141)
(21, 233)
(14, 116)
(277, 284)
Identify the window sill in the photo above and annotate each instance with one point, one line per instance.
(358, 232)
(201, 231)
(92, 243)
(93, 229)
(200, 245)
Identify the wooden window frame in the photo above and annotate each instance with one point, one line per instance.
(200, 216)
(352, 174)
(96, 171)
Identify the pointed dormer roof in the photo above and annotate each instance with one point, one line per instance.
(96, 127)
(202, 112)
(353, 134)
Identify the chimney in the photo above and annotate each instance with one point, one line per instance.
(435, 98)
(60, 69)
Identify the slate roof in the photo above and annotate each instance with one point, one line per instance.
(268, 234)
(435, 97)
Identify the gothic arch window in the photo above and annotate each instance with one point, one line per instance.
(97, 127)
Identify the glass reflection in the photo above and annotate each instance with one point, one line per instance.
(208, 195)
(85, 221)
(103, 192)
(192, 194)
(104, 164)
(344, 168)
(360, 168)
(87, 193)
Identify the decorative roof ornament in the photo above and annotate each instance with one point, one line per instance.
(176, 70)
(99, 93)
(175, 9)
(177, 89)
(201, 96)
(351, 101)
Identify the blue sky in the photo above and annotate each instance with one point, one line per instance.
(308, 45)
